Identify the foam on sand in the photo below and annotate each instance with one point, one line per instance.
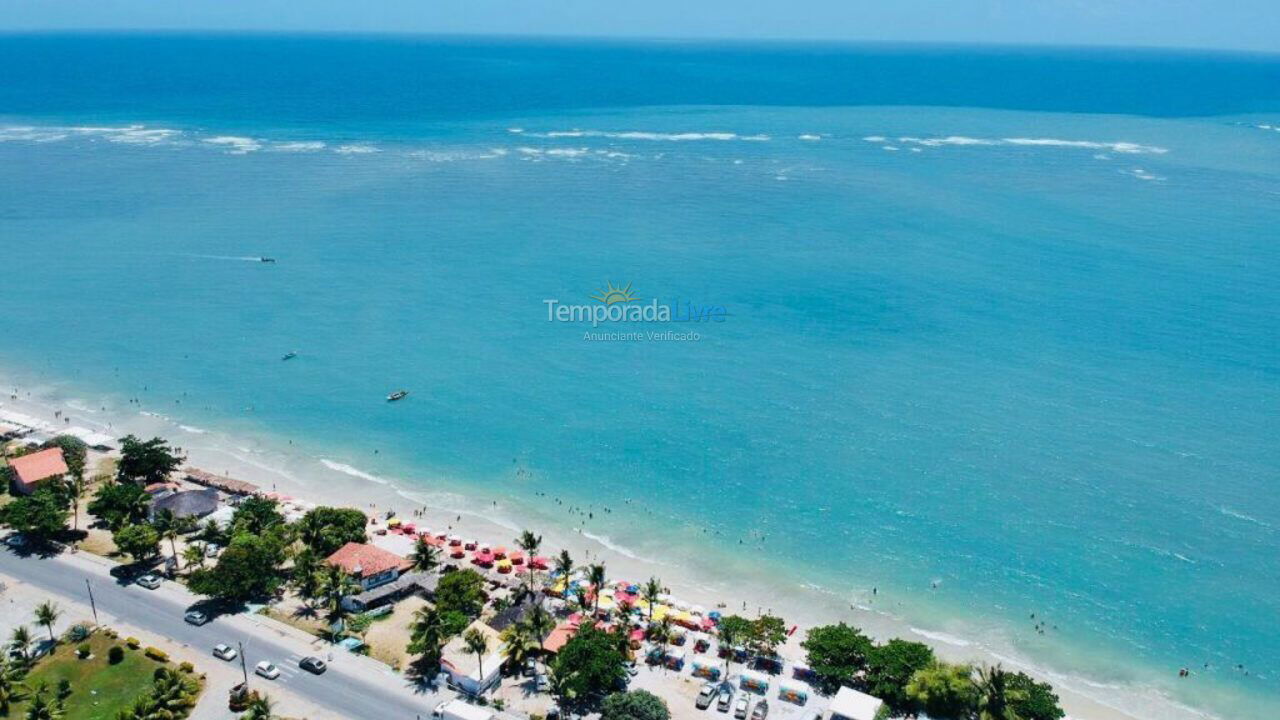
(346, 469)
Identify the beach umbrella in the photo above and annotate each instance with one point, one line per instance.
(500, 551)
(538, 562)
(455, 540)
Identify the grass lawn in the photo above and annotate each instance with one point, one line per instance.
(98, 689)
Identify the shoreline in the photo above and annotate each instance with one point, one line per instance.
(334, 481)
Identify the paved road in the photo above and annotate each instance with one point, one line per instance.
(354, 686)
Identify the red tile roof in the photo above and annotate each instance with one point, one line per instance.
(31, 469)
(367, 559)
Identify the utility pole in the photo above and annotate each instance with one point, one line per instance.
(243, 668)
(92, 604)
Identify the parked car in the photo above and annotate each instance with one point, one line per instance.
(705, 697)
(632, 668)
(542, 683)
(150, 581)
(761, 710)
(15, 540)
(195, 617)
(726, 698)
(530, 667)
(313, 665)
(740, 708)
(223, 651)
(267, 670)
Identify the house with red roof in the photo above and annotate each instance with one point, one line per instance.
(28, 471)
(368, 565)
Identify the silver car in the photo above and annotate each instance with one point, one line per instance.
(150, 581)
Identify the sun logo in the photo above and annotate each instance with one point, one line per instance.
(610, 294)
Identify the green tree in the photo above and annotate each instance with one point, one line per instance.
(325, 529)
(943, 690)
(306, 574)
(767, 633)
(477, 643)
(140, 542)
(733, 632)
(634, 705)
(47, 613)
(120, 504)
(255, 516)
(588, 667)
(425, 556)
(529, 543)
(1033, 700)
(173, 693)
(520, 642)
(461, 591)
(992, 695)
(147, 462)
(890, 667)
(40, 516)
(248, 568)
(835, 654)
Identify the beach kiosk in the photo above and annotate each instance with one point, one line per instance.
(793, 692)
(849, 704)
(706, 669)
(753, 681)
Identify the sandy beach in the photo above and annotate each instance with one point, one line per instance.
(331, 481)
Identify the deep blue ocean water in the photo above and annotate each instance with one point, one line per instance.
(999, 321)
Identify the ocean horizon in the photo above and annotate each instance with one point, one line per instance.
(991, 331)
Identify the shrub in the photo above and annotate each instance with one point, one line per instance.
(82, 650)
(111, 633)
(77, 633)
(115, 654)
(133, 642)
(187, 667)
(156, 653)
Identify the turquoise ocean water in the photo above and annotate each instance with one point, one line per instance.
(1000, 334)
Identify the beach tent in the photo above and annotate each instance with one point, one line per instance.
(517, 557)
(701, 642)
(539, 562)
(849, 704)
(755, 682)
(500, 552)
(504, 566)
(793, 692)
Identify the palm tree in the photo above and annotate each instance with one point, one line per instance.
(259, 708)
(75, 491)
(651, 591)
(47, 613)
(426, 636)
(336, 584)
(173, 693)
(729, 637)
(992, 686)
(12, 688)
(306, 575)
(478, 643)
(425, 556)
(519, 643)
(21, 640)
(193, 555)
(42, 708)
(540, 622)
(596, 576)
(564, 566)
(662, 635)
(529, 543)
(170, 526)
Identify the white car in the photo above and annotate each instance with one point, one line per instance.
(267, 670)
(150, 581)
(224, 652)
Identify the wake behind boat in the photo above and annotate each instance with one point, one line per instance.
(266, 259)
(397, 395)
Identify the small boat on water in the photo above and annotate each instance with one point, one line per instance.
(266, 259)
(290, 355)
(397, 395)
